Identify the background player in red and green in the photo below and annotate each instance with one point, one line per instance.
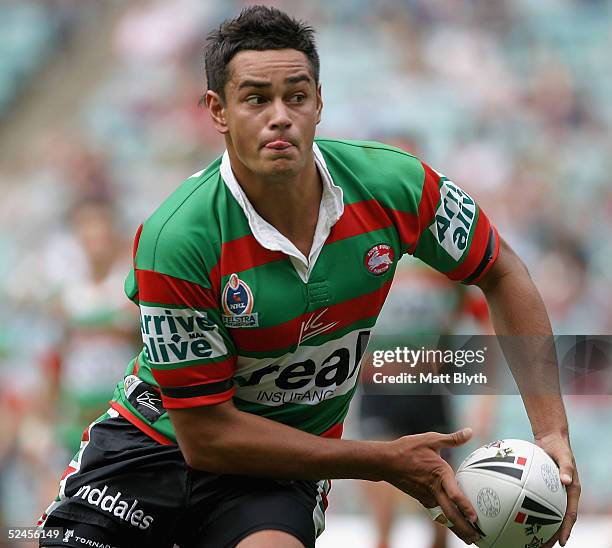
(258, 281)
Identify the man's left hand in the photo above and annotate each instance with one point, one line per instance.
(558, 447)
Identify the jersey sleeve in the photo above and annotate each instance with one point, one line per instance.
(453, 235)
(186, 345)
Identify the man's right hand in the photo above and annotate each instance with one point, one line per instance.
(417, 469)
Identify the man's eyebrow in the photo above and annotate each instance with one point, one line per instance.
(254, 84)
(266, 84)
(297, 79)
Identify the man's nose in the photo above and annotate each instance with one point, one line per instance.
(280, 115)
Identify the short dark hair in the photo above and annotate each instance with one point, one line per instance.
(256, 28)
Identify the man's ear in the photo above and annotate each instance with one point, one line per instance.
(216, 109)
(319, 103)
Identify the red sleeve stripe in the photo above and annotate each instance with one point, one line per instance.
(407, 225)
(287, 334)
(244, 253)
(160, 288)
(430, 197)
(136, 240)
(214, 276)
(359, 218)
(195, 374)
(194, 391)
(480, 275)
(476, 252)
(184, 403)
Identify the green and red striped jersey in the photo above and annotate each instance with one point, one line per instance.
(230, 309)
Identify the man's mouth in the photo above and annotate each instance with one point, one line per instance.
(279, 144)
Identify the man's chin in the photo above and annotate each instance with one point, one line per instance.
(282, 167)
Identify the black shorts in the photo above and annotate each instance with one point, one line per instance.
(128, 490)
(391, 416)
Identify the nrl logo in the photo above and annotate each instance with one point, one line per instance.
(237, 300)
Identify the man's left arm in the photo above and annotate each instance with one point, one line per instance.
(441, 224)
(519, 317)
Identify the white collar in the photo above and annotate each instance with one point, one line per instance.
(330, 210)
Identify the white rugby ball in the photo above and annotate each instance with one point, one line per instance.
(516, 491)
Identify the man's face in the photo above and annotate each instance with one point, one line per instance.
(272, 106)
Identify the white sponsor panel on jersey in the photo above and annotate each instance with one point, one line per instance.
(454, 218)
(173, 335)
(309, 375)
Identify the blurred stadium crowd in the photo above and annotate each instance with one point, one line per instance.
(509, 99)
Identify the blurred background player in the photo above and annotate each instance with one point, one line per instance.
(421, 303)
(97, 332)
(90, 331)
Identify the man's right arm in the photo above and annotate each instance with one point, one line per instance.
(222, 439)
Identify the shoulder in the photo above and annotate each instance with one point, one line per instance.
(387, 172)
(369, 154)
(190, 201)
(179, 237)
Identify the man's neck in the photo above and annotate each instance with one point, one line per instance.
(291, 205)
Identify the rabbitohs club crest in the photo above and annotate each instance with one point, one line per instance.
(237, 300)
(379, 259)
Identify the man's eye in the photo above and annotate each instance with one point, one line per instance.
(255, 100)
(298, 98)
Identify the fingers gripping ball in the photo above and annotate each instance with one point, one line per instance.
(516, 491)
